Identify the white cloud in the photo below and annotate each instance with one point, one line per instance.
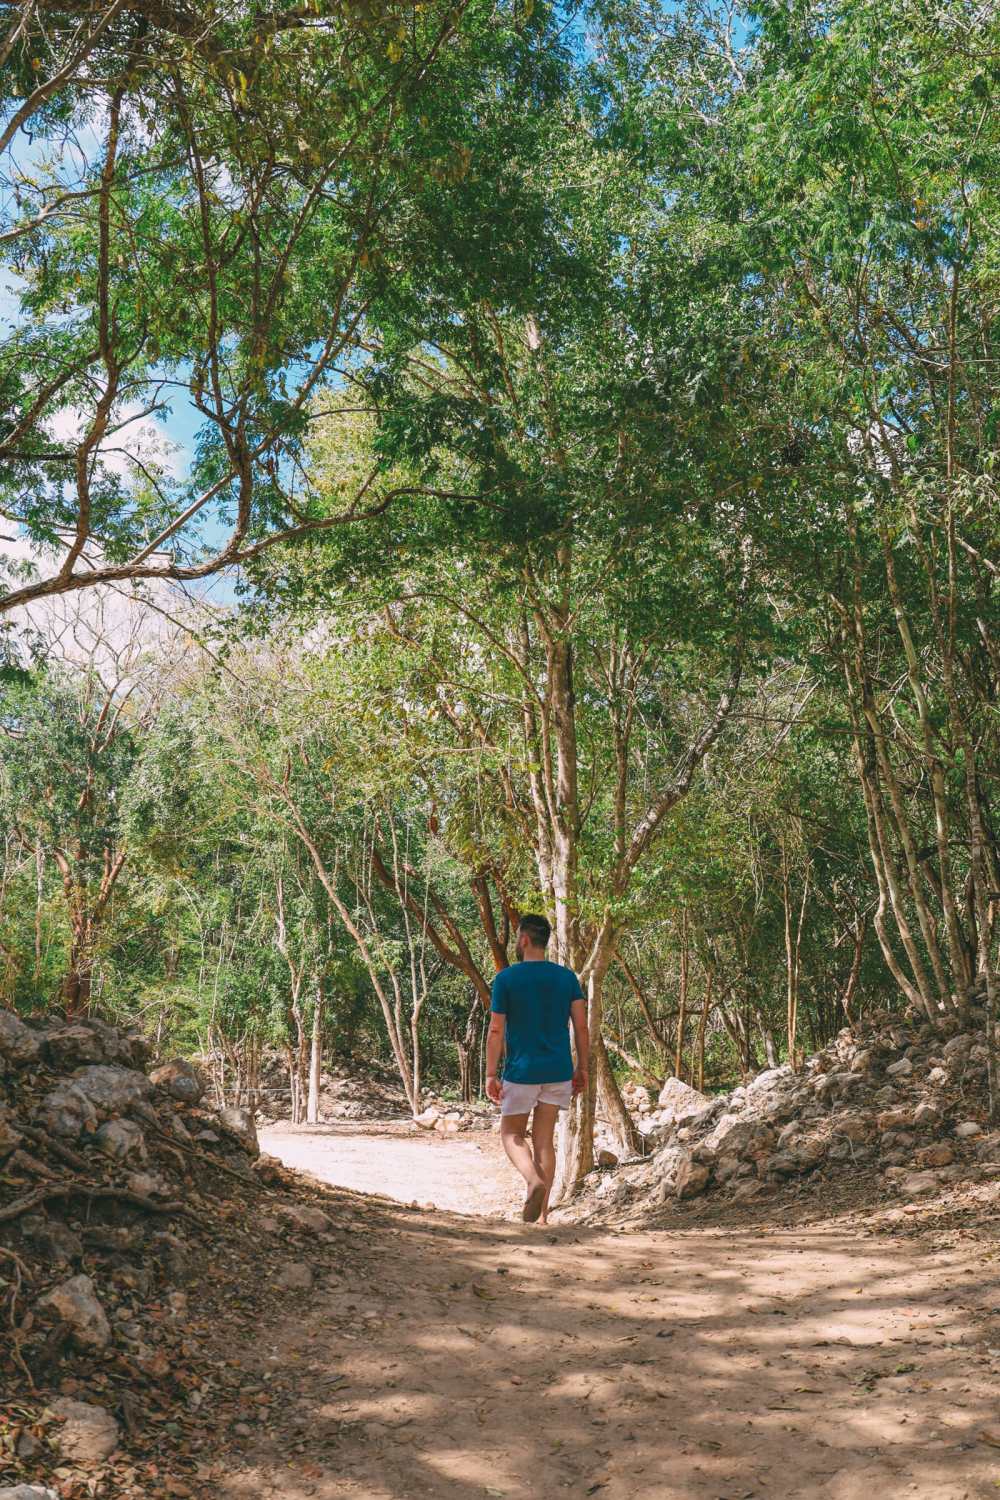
(136, 437)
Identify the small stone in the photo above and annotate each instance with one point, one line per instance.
(893, 1119)
(958, 1045)
(177, 1305)
(180, 1079)
(147, 1185)
(927, 1117)
(18, 1043)
(67, 1113)
(241, 1429)
(239, 1124)
(121, 1140)
(89, 1434)
(75, 1302)
(967, 1129)
(303, 1217)
(295, 1276)
(27, 1492)
(938, 1155)
(901, 1069)
(937, 1076)
(266, 1224)
(918, 1184)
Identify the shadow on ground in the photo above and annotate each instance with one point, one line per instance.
(459, 1359)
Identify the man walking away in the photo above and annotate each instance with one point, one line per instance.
(533, 1004)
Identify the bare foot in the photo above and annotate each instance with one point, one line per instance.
(533, 1203)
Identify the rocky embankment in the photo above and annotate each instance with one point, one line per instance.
(348, 1090)
(903, 1101)
(138, 1228)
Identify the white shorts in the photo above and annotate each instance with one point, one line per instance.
(521, 1098)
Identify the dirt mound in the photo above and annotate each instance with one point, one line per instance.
(139, 1232)
(899, 1099)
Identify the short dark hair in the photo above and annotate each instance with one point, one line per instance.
(537, 929)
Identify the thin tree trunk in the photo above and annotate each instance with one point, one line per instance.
(315, 1058)
(682, 999)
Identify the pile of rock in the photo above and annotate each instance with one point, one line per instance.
(114, 1182)
(448, 1119)
(347, 1091)
(903, 1099)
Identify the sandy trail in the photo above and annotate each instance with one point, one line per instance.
(458, 1358)
(464, 1173)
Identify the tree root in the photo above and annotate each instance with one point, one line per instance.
(93, 1194)
(209, 1161)
(64, 1153)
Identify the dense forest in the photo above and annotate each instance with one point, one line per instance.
(595, 431)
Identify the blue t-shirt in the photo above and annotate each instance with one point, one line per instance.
(535, 996)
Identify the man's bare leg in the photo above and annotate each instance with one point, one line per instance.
(513, 1130)
(543, 1142)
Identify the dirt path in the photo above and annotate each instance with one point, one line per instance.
(458, 1358)
(464, 1173)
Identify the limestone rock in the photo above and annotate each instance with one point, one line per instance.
(68, 1047)
(901, 1069)
(679, 1101)
(734, 1135)
(147, 1185)
(268, 1168)
(122, 1140)
(180, 1079)
(967, 1129)
(238, 1123)
(766, 1082)
(938, 1155)
(893, 1119)
(18, 1043)
(958, 1046)
(75, 1302)
(67, 1113)
(918, 1184)
(927, 1117)
(295, 1276)
(89, 1434)
(853, 1127)
(110, 1089)
(301, 1216)
(937, 1076)
(691, 1179)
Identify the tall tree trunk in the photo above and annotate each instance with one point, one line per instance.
(702, 1027)
(315, 1058)
(682, 1001)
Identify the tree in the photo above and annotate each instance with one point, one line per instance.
(203, 215)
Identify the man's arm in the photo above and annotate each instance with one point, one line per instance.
(581, 1036)
(495, 1038)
